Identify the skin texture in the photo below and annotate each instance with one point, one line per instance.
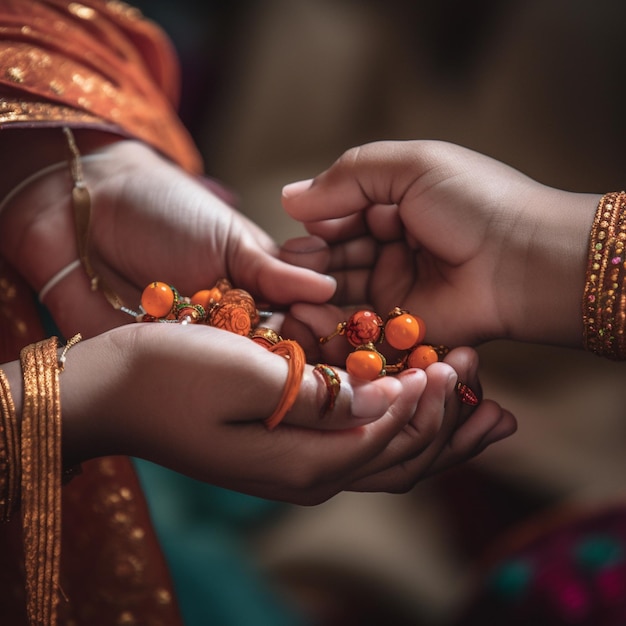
(152, 221)
(384, 435)
(474, 247)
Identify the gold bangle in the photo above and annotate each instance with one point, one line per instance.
(41, 479)
(10, 462)
(604, 300)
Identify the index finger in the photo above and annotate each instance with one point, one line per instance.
(376, 173)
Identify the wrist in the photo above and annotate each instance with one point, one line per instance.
(48, 146)
(553, 271)
(88, 385)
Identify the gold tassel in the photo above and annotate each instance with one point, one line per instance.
(81, 203)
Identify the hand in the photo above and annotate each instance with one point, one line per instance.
(150, 221)
(174, 394)
(475, 248)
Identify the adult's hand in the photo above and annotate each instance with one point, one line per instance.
(193, 398)
(150, 221)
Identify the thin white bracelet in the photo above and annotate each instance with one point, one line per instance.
(44, 172)
(58, 277)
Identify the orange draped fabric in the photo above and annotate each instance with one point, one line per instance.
(94, 64)
(90, 64)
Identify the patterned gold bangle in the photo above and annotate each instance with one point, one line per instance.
(604, 300)
(10, 462)
(332, 381)
(41, 479)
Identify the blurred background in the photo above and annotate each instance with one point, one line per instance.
(275, 91)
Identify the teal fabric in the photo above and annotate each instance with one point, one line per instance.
(203, 531)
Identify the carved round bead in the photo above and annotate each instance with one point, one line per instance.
(403, 331)
(232, 317)
(365, 363)
(422, 356)
(158, 299)
(363, 327)
(242, 298)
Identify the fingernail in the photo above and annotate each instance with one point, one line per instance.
(331, 279)
(305, 245)
(451, 383)
(295, 189)
(372, 400)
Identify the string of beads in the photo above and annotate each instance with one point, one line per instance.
(231, 309)
(234, 310)
(403, 332)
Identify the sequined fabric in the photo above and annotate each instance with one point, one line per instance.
(93, 63)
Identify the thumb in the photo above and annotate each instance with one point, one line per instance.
(330, 399)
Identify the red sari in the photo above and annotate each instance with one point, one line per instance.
(94, 64)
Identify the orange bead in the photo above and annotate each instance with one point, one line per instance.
(403, 331)
(365, 364)
(422, 356)
(243, 299)
(206, 297)
(158, 299)
(422, 333)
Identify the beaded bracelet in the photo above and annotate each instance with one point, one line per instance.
(230, 309)
(235, 310)
(403, 332)
(604, 302)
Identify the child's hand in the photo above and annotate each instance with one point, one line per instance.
(472, 246)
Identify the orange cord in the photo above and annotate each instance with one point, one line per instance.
(294, 354)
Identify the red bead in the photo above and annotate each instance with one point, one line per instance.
(403, 331)
(466, 395)
(158, 299)
(365, 364)
(363, 327)
(422, 356)
(190, 312)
